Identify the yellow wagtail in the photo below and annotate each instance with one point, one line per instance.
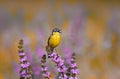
(54, 39)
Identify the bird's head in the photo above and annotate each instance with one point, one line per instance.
(56, 30)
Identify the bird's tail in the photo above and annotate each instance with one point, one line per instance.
(49, 49)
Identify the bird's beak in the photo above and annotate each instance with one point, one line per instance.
(59, 31)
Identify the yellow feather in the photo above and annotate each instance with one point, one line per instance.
(54, 39)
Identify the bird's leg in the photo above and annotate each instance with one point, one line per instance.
(55, 50)
(49, 50)
(52, 49)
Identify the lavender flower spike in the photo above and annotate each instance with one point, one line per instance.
(72, 70)
(44, 68)
(60, 65)
(25, 71)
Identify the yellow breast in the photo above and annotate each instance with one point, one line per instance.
(54, 39)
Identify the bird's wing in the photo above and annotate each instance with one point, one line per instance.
(49, 39)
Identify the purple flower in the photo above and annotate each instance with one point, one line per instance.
(62, 69)
(44, 68)
(73, 65)
(25, 65)
(23, 59)
(73, 78)
(46, 75)
(25, 71)
(64, 76)
(72, 70)
(60, 65)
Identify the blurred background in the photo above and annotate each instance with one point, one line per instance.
(91, 29)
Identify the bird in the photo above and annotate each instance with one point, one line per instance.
(54, 39)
